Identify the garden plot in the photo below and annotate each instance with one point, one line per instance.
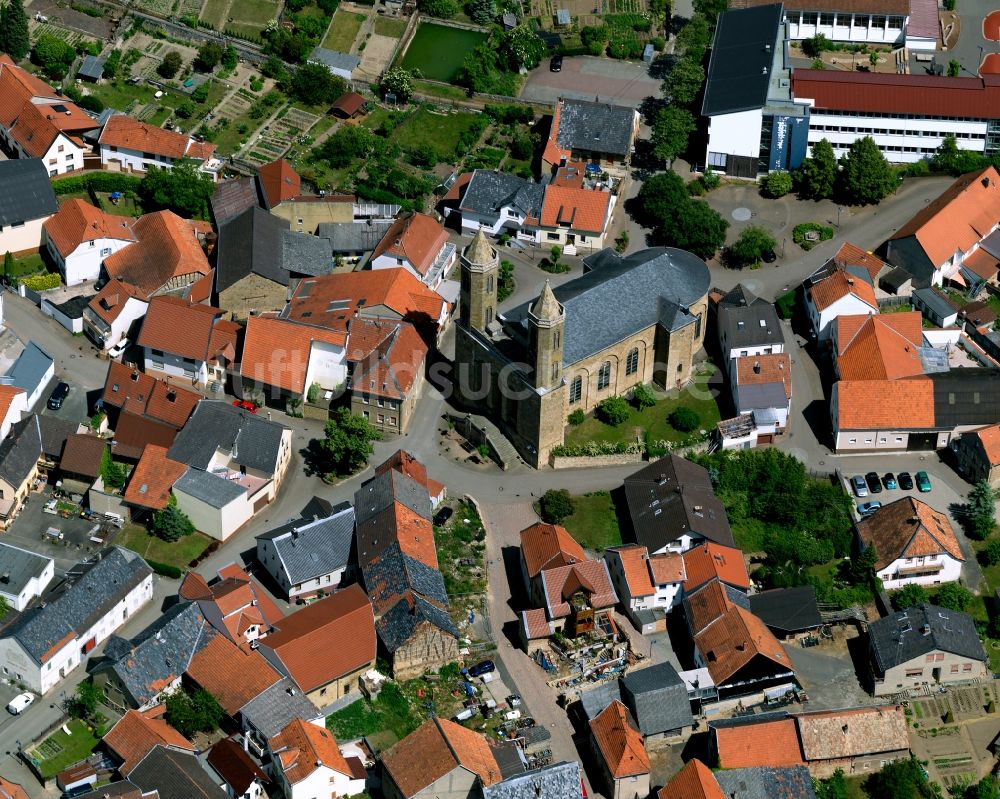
(58, 13)
(215, 13)
(280, 135)
(71, 37)
(587, 11)
(189, 8)
(375, 57)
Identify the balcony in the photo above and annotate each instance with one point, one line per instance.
(920, 569)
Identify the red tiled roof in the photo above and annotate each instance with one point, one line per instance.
(168, 248)
(349, 103)
(82, 454)
(619, 742)
(883, 347)
(137, 393)
(764, 369)
(839, 285)
(852, 255)
(136, 734)
(733, 640)
(909, 528)
(327, 639)
(276, 351)
(706, 604)
(280, 181)
(536, 624)
(233, 676)
(388, 357)
(770, 743)
(904, 404)
(886, 93)
(76, 222)
(110, 301)
(710, 560)
(590, 576)
(667, 567)
(694, 781)
(416, 238)
(235, 766)
(151, 480)
(302, 747)
(634, 559)
(7, 394)
(989, 438)
(982, 264)
(131, 134)
(553, 153)
(11, 790)
(575, 209)
(188, 330)
(546, 546)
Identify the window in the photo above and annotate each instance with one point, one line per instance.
(878, 21)
(966, 667)
(60, 148)
(954, 668)
(555, 371)
(697, 327)
(380, 402)
(381, 419)
(680, 367)
(861, 21)
(552, 236)
(392, 421)
(632, 361)
(826, 19)
(489, 284)
(105, 251)
(604, 376)
(575, 390)
(489, 314)
(914, 672)
(717, 160)
(809, 18)
(365, 414)
(556, 339)
(53, 161)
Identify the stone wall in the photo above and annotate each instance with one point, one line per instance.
(594, 461)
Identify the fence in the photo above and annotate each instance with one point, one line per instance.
(27, 293)
(893, 302)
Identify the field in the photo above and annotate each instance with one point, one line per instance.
(60, 750)
(440, 131)
(249, 17)
(214, 13)
(343, 31)
(439, 51)
(389, 26)
(179, 553)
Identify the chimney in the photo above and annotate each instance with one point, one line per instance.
(925, 629)
(844, 729)
(5, 577)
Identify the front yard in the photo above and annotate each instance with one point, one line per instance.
(60, 750)
(179, 553)
(594, 523)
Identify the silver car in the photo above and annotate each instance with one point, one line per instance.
(859, 485)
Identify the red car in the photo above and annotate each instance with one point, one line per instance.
(246, 405)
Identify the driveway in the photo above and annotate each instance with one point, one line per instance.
(588, 78)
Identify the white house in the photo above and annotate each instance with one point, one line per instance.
(914, 544)
(79, 237)
(218, 506)
(306, 762)
(32, 372)
(309, 555)
(112, 312)
(42, 647)
(644, 582)
(418, 243)
(748, 325)
(762, 384)
(133, 146)
(23, 575)
(841, 292)
(13, 403)
(26, 202)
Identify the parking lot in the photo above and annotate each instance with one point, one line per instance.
(587, 78)
(29, 532)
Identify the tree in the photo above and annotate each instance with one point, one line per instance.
(348, 442)
(208, 58)
(613, 411)
(658, 197)
(986, 788)
(643, 396)
(91, 102)
(776, 184)
(684, 82)
(14, 39)
(816, 46)
(83, 703)
(483, 12)
(316, 85)
(866, 177)
(818, 173)
(684, 419)
(863, 565)
(953, 596)
(171, 523)
(710, 8)
(694, 38)
(954, 69)
(505, 280)
(185, 110)
(752, 245)
(980, 510)
(696, 227)
(170, 65)
(53, 55)
(442, 9)
(520, 47)
(834, 787)
(671, 132)
(909, 596)
(193, 712)
(902, 779)
(273, 67)
(350, 142)
(8, 267)
(873, 59)
(556, 505)
(230, 58)
(4, 607)
(182, 189)
(114, 474)
(992, 551)
(398, 81)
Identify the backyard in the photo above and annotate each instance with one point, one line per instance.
(434, 129)
(594, 523)
(60, 750)
(461, 552)
(249, 17)
(390, 718)
(389, 26)
(179, 553)
(343, 31)
(438, 51)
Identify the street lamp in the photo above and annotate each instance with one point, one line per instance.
(839, 209)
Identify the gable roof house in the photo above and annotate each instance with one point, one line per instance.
(672, 506)
(591, 132)
(620, 752)
(325, 647)
(762, 385)
(13, 404)
(80, 465)
(150, 483)
(32, 372)
(47, 642)
(787, 611)
(239, 775)
(281, 188)
(913, 543)
(573, 593)
(174, 775)
(20, 454)
(26, 203)
(135, 146)
(136, 734)
(697, 781)
(399, 567)
(187, 341)
(648, 586)
(23, 575)
(309, 556)
(308, 762)
(839, 291)
(439, 756)
(417, 242)
(883, 347)
(38, 122)
(978, 454)
(79, 237)
(268, 713)
(557, 781)
(950, 238)
(748, 325)
(545, 546)
(923, 646)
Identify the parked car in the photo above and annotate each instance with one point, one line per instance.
(514, 700)
(859, 485)
(923, 482)
(245, 405)
(889, 481)
(769, 257)
(442, 516)
(19, 703)
(868, 508)
(58, 396)
(905, 481)
(874, 482)
(555, 64)
(118, 350)
(483, 667)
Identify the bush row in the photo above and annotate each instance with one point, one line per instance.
(44, 282)
(164, 569)
(96, 181)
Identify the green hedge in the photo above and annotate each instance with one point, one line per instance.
(96, 181)
(44, 282)
(164, 569)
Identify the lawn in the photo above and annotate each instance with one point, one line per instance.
(388, 719)
(60, 750)
(28, 265)
(594, 523)
(437, 90)
(214, 13)
(699, 397)
(439, 51)
(389, 26)
(440, 131)
(249, 17)
(179, 553)
(343, 31)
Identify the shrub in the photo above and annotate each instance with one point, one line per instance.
(776, 184)
(555, 505)
(786, 304)
(41, 282)
(613, 411)
(799, 234)
(684, 419)
(164, 569)
(578, 417)
(992, 551)
(643, 396)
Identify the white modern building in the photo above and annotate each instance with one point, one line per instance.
(23, 575)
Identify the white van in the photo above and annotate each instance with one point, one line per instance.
(19, 703)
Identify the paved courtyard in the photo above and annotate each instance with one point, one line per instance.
(589, 78)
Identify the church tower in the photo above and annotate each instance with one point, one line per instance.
(546, 324)
(480, 273)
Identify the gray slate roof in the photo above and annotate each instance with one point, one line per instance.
(936, 302)
(25, 191)
(558, 781)
(20, 451)
(596, 699)
(305, 254)
(761, 782)
(106, 579)
(596, 127)
(759, 396)
(272, 711)
(334, 59)
(395, 627)
(19, 566)
(617, 297)
(175, 775)
(742, 55)
(488, 191)
(657, 698)
(383, 490)
(253, 442)
(310, 548)
(740, 315)
(787, 609)
(214, 491)
(348, 237)
(917, 631)
(161, 653)
(394, 572)
(250, 243)
(92, 67)
(30, 368)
